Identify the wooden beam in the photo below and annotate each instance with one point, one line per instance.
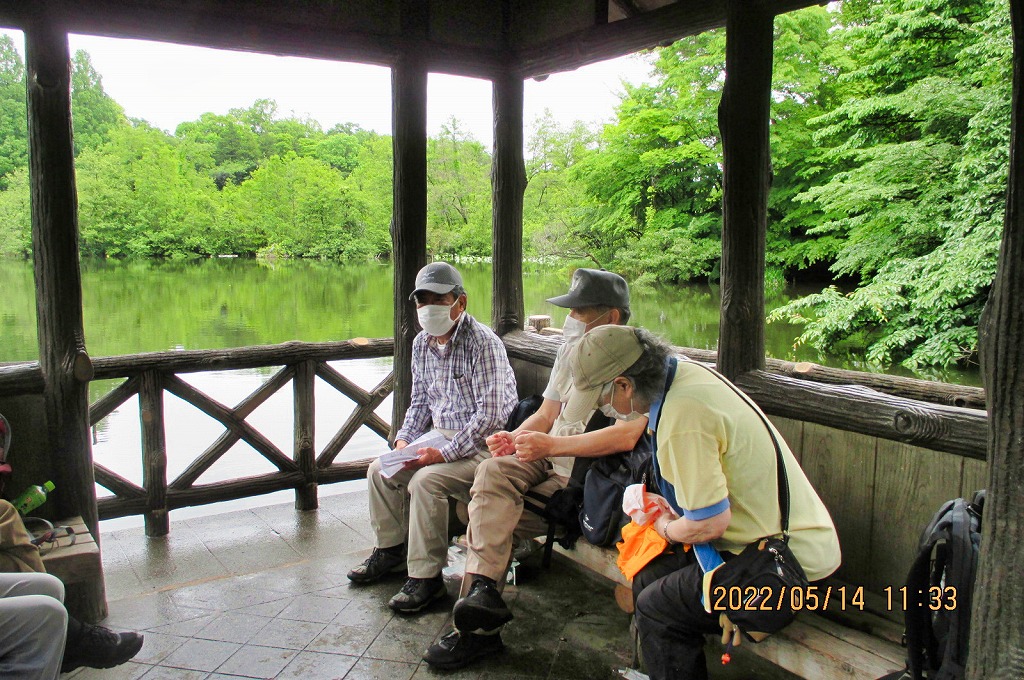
(997, 638)
(316, 30)
(650, 29)
(858, 409)
(508, 185)
(63, 360)
(743, 116)
(409, 217)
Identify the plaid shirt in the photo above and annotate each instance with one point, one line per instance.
(469, 388)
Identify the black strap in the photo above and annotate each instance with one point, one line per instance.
(783, 479)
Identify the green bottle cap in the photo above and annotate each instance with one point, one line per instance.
(48, 486)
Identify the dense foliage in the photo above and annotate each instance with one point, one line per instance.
(889, 134)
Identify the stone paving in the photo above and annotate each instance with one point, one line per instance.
(262, 593)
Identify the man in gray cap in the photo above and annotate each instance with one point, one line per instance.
(539, 452)
(464, 389)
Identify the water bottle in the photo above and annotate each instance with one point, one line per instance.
(32, 497)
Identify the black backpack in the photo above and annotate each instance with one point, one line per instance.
(940, 588)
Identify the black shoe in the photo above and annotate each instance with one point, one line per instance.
(379, 564)
(482, 610)
(98, 647)
(456, 649)
(417, 593)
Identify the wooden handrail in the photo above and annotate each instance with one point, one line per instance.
(866, 403)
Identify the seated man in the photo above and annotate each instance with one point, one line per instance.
(33, 625)
(462, 385)
(87, 645)
(539, 450)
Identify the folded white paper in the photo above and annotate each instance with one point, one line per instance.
(393, 461)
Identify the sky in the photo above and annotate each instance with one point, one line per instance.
(166, 84)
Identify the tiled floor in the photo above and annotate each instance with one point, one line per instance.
(262, 593)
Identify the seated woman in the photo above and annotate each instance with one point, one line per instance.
(717, 468)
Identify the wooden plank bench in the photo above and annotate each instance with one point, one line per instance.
(853, 644)
(73, 562)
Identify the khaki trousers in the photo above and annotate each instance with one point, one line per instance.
(412, 508)
(496, 511)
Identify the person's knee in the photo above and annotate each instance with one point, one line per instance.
(373, 471)
(51, 586)
(427, 482)
(50, 614)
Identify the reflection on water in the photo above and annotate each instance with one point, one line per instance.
(211, 304)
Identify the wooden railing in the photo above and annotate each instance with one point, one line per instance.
(151, 375)
(917, 412)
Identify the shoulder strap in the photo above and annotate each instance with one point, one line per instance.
(783, 479)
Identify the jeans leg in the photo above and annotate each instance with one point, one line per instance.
(672, 624)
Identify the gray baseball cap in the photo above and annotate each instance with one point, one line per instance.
(437, 277)
(593, 287)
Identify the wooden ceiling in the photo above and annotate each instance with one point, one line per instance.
(482, 38)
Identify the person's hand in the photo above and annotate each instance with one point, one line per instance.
(531, 446)
(400, 444)
(428, 456)
(730, 632)
(500, 444)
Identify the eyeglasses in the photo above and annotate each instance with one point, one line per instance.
(49, 540)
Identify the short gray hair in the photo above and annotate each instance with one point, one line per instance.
(648, 372)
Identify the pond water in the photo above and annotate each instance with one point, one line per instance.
(132, 307)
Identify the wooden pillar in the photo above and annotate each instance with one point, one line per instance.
(743, 120)
(65, 364)
(997, 636)
(305, 434)
(154, 453)
(409, 218)
(508, 184)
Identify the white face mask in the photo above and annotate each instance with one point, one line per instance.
(573, 329)
(436, 319)
(610, 411)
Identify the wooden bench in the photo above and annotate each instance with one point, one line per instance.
(73, 562)
(851, 644)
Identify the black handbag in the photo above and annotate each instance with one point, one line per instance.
(762, 588)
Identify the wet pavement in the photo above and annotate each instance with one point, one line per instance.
(262, 593)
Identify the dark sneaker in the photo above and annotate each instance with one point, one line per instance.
(456, 649)
(98, 647)
(417, 593)
(482, 610)
(379, 564)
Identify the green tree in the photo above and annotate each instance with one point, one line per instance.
(458, 193)
(917, 196)
(140, 196)
(94, 114)
(370, 186)
(296, 207)
(223, 146)
(13, 128)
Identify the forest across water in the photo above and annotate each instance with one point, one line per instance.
(889, 135)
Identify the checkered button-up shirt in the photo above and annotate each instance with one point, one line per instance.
(467, 386)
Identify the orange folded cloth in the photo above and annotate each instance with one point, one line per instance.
(639, 545)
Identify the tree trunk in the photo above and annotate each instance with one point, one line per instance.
(743, 121)
(508, 183)
(997, 621)
(409, 221)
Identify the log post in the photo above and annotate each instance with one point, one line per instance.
(743, 121)
(63, 360)
(154, 453)
(997, 637)
(409, 219)
(305, 435)
(508, 184)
